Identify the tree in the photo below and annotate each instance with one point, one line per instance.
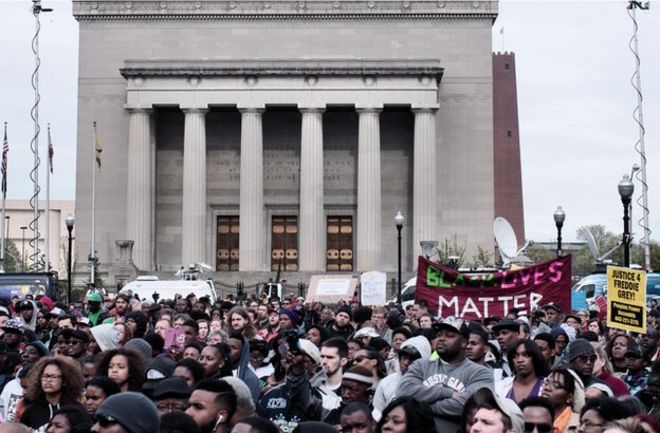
(451, 253)
(13, 260)
(483, 258)
(538, 253)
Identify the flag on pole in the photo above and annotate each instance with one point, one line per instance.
(99, 149)
(5, 151)
(51, 151)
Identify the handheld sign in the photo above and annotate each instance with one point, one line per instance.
(331, 288)
(626, 299)
(373, 288)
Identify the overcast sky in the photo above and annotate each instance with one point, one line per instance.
(575, 104)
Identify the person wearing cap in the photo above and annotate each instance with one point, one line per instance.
(13, 334)
(496, 415)
(75, 344)
(96, 312)
(128, 412)
(341, 326)
(507, 333)
(171, 394)
(582, 357)
(304, 391)
(637, 375)
(445, 384)
(411, 350)
(553, 314)
(27, 313)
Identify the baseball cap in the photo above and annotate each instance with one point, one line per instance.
(507, 406)
(511, 325)
(310, 350)
(74, 333)
(14, 325)
(453, 324)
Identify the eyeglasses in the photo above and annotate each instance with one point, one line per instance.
(361, 358)
(164, 407)
(105, 420)
(51, 377)
(542, 428)
(587, 358)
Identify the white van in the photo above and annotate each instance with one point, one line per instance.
(595, 285)
(146, 286)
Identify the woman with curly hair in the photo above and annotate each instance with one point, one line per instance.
(406, 415)
(239, 321)
(52, 382)
(125, 366)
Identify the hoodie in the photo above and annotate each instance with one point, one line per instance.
(106, 336)
(445, 387)
(32, 326)
(245, 373)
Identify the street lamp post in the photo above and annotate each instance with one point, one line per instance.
(69, 221)
(626, 190)
(23, 228)
(399, 220)
(560, 217)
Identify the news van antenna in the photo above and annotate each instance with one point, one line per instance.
(595, 251)
(507, 244)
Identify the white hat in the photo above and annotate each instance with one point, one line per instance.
(367, 331)
(310, 350)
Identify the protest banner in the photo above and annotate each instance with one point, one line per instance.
(373, 287)
(626, 299)
(331, 288)
(451, 293)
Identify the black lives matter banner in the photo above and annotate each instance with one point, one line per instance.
(451, 293)
(626, 299)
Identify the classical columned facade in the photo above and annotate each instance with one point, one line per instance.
(308, 86)
(259, 134)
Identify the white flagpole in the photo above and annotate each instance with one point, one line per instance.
(48, 169)
(93, 254)
(2, 228)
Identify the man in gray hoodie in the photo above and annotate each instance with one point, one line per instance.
(446, 383)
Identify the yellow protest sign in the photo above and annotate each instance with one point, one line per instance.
(626, 299)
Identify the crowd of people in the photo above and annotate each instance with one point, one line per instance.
(117, 364)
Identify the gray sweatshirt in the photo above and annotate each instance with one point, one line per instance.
(435, 382)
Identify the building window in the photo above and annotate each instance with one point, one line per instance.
(506, 66)
(339, 255)
(284, 243)
(227, 244)
(509, 133)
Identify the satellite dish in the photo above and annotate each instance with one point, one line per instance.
(506, 239)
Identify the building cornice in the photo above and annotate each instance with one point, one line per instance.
(264, 67)
(282, 9)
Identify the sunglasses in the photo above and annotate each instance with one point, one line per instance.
(105, 420)
(587, 358)
(542, 428)
(361, 358)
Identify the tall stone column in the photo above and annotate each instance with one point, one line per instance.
(312, 218)
(251, 238)
(193, 237)
(138, 195)
(368, 197)
(425, 190)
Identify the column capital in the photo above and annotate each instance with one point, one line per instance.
(309, 109)
(138, 109)
(368, 109)
(195, 110)
(424, 108)
(251, 110)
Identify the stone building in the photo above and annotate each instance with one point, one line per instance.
(247, 133)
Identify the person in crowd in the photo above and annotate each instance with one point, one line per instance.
(546, 343)
(553, 314)
(507, 333)
(477, 344)
(341, 326)
(126, 367)
(192, 350)
(538, 415)
(371, 360)
(581, 357)
(52, 382)
(96, 313)
(212, 405)
(356, 418)
(239, 353)
(239, 321)
(411, 350)
(128, 412)
(27, 314)
(565, 391)
(97, 390)
(70, 419)
(245, 406)
(379, 318)
(616, 352)
(596, 326)
(317, 334)
(447, 383)
(406, 415)
(272, 329)
(597, 390)
(650, 343)
(334, 358)
(255, 424)
(530, 370)
(12, 394)
(637, 376)
(120, 309)
(258, 353)
(76, 344)
(171, 394)
(178, 422)
(597, 413)
(13, 331)
(496, 415)
(603, 371)
(190, 370)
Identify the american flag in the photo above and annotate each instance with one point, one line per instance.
(51, 151)
(5, 151)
